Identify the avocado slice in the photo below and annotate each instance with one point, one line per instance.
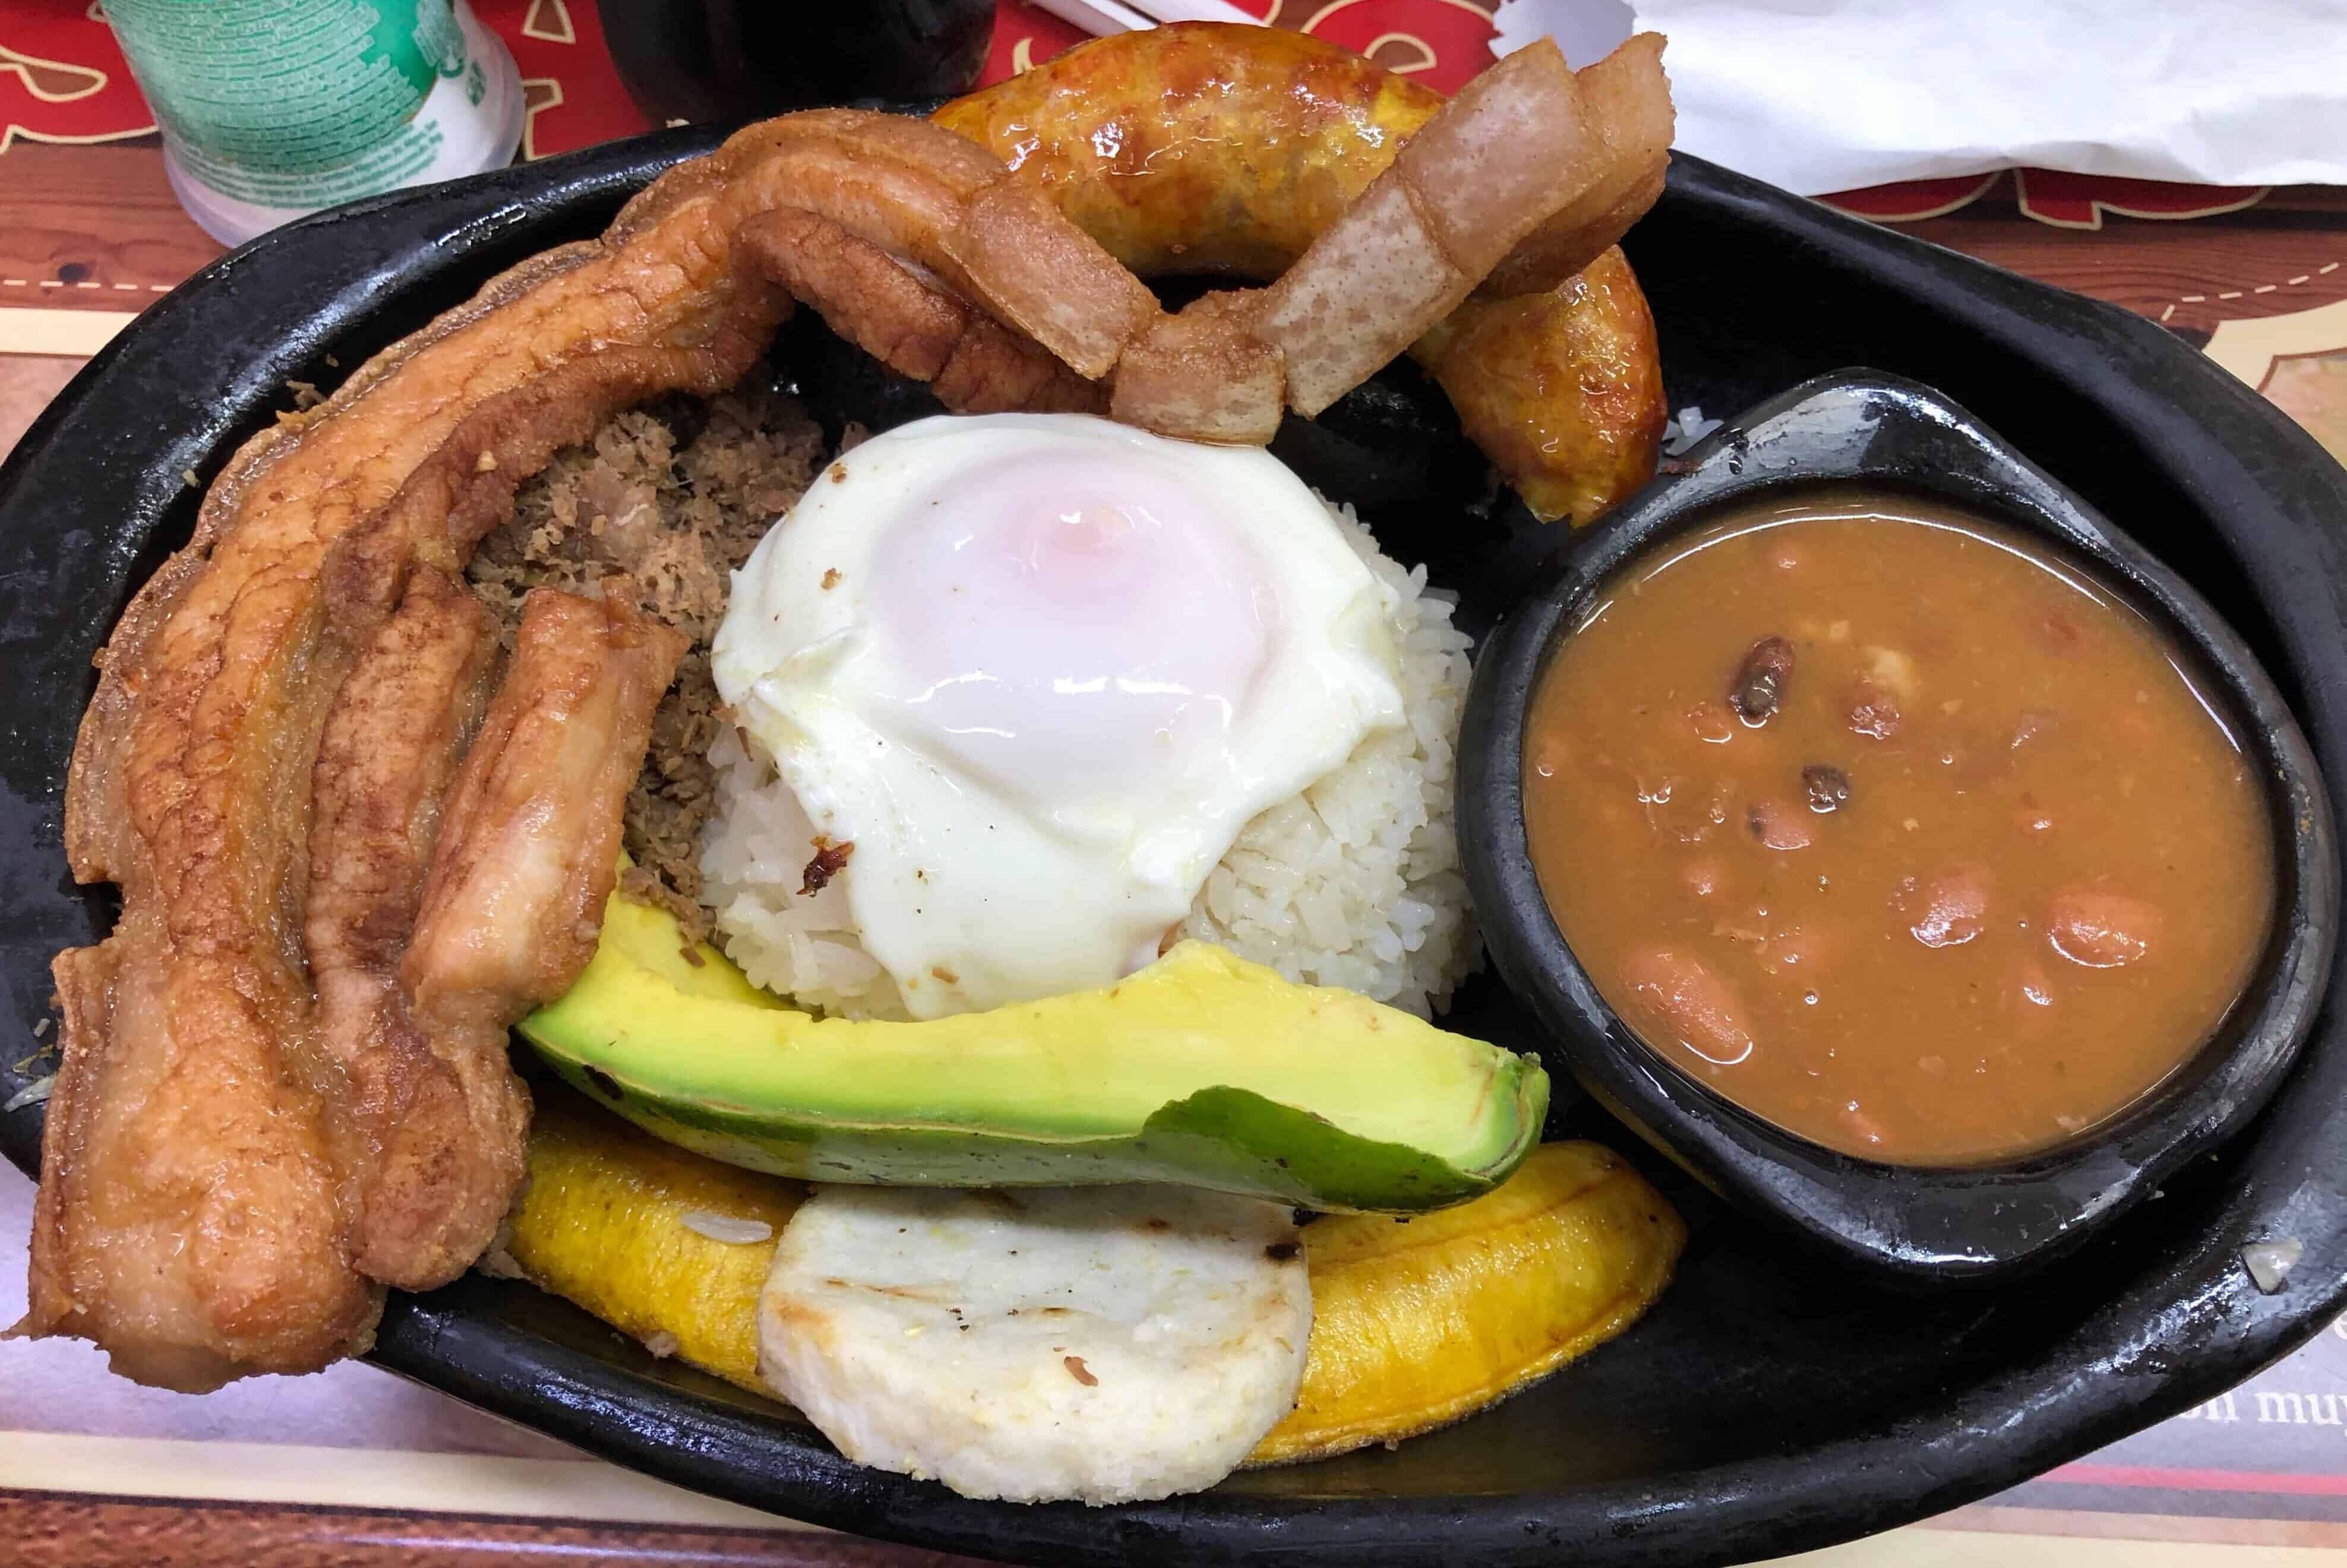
(1202, 1069)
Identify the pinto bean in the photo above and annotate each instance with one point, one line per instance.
(2101, 930)
(1880, 696)
(1950, 908)
(1757, 684)
(1894, 673)
(1675, 996)
(1828, 787)
(1873, 711)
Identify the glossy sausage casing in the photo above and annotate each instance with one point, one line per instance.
(1182, 153)
(1206, 149)
(1562, 390)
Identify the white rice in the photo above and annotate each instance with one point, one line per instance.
(1354, 883)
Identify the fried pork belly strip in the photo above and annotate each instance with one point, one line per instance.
(973, 365)
(431, 1156)
(531, 841)
(931, 199)
(531, 847)
(188, 1218)
(1484, 172)
(102, 843)
(1627, 101)
(1206, 374)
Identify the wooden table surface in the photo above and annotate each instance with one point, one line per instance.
(355, 1467)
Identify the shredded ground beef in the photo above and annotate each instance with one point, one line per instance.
(674, 496)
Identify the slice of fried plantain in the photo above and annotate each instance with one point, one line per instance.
(608, 1221)
(1419, 1323)
(1415, 1324)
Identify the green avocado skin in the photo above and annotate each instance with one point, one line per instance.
(683, 1045)
(1230, 1140)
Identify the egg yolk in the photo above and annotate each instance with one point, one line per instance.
(1065, 637)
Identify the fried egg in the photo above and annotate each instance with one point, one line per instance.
(1029, 675)
(1106, 1344)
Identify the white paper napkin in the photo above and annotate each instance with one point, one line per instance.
(1830, 94)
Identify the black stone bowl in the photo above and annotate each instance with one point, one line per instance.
(1926, 1226)
(1773, 1400)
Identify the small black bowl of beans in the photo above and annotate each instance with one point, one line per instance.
(1885, 835)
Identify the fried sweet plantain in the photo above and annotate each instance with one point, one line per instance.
(608, 1222)
(1420, 1325)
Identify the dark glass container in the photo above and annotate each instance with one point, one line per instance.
(721, 61)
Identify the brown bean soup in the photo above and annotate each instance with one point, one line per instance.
(1896, 827)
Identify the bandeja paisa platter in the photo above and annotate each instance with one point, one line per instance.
(1355, 954)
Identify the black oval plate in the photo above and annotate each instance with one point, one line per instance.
(1769, 1404)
